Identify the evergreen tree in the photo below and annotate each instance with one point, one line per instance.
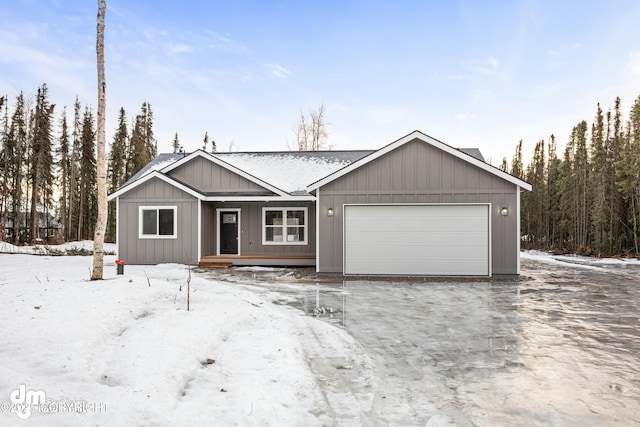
(41, 161)
(554, 196)
(516, 163)
(88, 180)
(4, 133)
(205, 141)
(64, 170)
(73, 214)
(628, 175)
(614, 147)
(143, 146)
(534, 209)
(504, 166)
(598, 187)
(117, 169)
(14, 157)
(176, 144)
(633, 165)
(580, 182)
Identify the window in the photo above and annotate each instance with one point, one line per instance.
(284, 226)
(158, 222)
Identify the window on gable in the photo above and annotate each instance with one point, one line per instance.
(284, 226)
(158, 222)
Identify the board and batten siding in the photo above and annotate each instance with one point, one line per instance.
(251, 228)
(155, 192)
(415, 173)
(205, 176)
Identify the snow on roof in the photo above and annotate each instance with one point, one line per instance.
(291, 171)
(160, 162)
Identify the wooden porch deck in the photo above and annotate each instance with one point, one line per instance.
(226, 261)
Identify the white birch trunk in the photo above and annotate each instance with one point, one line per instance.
(101, 223)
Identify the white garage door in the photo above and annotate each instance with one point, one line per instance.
(417, 239)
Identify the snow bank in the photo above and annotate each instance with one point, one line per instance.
(83, 247)
(134, 355)
(577, 261)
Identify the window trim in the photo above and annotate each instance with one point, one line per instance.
(284, 225)
(141, 209)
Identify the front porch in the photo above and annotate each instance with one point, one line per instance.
(225, 261)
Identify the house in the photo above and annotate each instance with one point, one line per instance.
(414, 207)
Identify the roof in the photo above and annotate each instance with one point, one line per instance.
(292, 173)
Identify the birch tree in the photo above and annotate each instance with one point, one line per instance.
(311, 132)
(101, 223)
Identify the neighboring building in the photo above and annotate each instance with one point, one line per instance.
(414, 207)
(16, 230)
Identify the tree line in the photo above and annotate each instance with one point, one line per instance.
(587, 200)
(48, 190)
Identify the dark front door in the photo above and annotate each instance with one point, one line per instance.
(228, 233)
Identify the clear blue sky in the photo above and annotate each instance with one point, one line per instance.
(469, 73)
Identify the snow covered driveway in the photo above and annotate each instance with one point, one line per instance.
(558, 346)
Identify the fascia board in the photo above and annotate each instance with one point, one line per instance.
(259, 199)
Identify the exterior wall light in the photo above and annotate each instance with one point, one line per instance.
(504, 211)
(330, 212)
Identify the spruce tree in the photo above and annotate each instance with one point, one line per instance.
(14, 154)
(205, 141)
(143, 146)
(554, 196)
(633, 166)
(598, 187)
(117, 169)
(4, 133)
(516, 164)
(534, 209)
(176, 143)
(73, 214)
(88, 200)
(64, 169)
(581, 182)
(41, 161)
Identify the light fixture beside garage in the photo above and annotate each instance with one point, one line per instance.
(330, 212)
(504, 211)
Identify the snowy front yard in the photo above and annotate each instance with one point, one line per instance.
(123, 352)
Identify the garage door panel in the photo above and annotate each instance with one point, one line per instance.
(417, 239)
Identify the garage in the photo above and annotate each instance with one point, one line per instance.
(441, 240)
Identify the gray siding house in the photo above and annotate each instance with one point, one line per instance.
(415, 207)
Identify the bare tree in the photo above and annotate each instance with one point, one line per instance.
(311, 132)
(101, 161)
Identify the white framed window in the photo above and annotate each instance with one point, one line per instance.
(284, 226)
(157, 222)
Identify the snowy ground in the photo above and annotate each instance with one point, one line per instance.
(557, 346)
(130, 354)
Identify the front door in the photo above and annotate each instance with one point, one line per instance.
(228, 226)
